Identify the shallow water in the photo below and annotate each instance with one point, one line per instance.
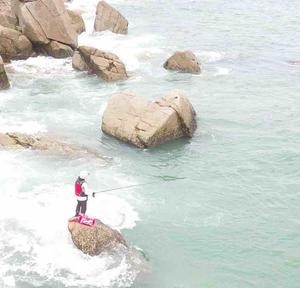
(232, 222)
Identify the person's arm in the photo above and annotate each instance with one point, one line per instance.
(86, 189)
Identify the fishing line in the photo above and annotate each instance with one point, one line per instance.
(166, 179)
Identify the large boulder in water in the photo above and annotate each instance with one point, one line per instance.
(184, 62)
(95, 239)
(106, 65)
(4, 83)
(46, 20)
(13, 44)
(145, 124)
(108, 18)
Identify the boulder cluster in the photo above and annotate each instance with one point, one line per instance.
(33, 27)
(46, 27)
(37, 26)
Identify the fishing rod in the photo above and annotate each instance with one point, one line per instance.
(166, 179)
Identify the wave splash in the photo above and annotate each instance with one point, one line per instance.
(36, 246)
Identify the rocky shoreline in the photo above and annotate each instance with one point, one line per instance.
(29, 28)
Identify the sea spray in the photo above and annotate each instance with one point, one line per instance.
(37, 245)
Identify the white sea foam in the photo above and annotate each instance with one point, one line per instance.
(11, 173)
(43, 66)
(88, 9)
(85, 7)
(17, 125)
(222, 71)
(210, 56)
(9, 281)
(102, 109)
(131, 49)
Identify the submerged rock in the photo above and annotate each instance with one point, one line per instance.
(184, 62)
(14, 45)
(42, 143)
(96, 239)
(46, 20)
(4, 83)
(106, 65)
(108, 18)
(145, 124)
(37, 142)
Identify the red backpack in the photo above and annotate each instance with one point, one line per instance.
(78, 187)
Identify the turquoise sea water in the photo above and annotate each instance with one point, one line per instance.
(232, 222)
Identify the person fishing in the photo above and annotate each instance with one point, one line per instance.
(82, 192)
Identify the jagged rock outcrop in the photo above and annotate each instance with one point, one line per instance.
(14, 45)
(46, 20)
(96, 239)
(106, 65)
(77, 21)
(184, 62)
(7, 17)
(4, 83)
(145, 124)
(108, 18)
(42, 142)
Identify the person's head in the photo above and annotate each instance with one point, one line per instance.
(84, 174)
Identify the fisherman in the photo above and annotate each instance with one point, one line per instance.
(82, 192)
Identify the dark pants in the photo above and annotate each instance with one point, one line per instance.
(81, 207)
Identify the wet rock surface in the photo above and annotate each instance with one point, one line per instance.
(184, 62)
